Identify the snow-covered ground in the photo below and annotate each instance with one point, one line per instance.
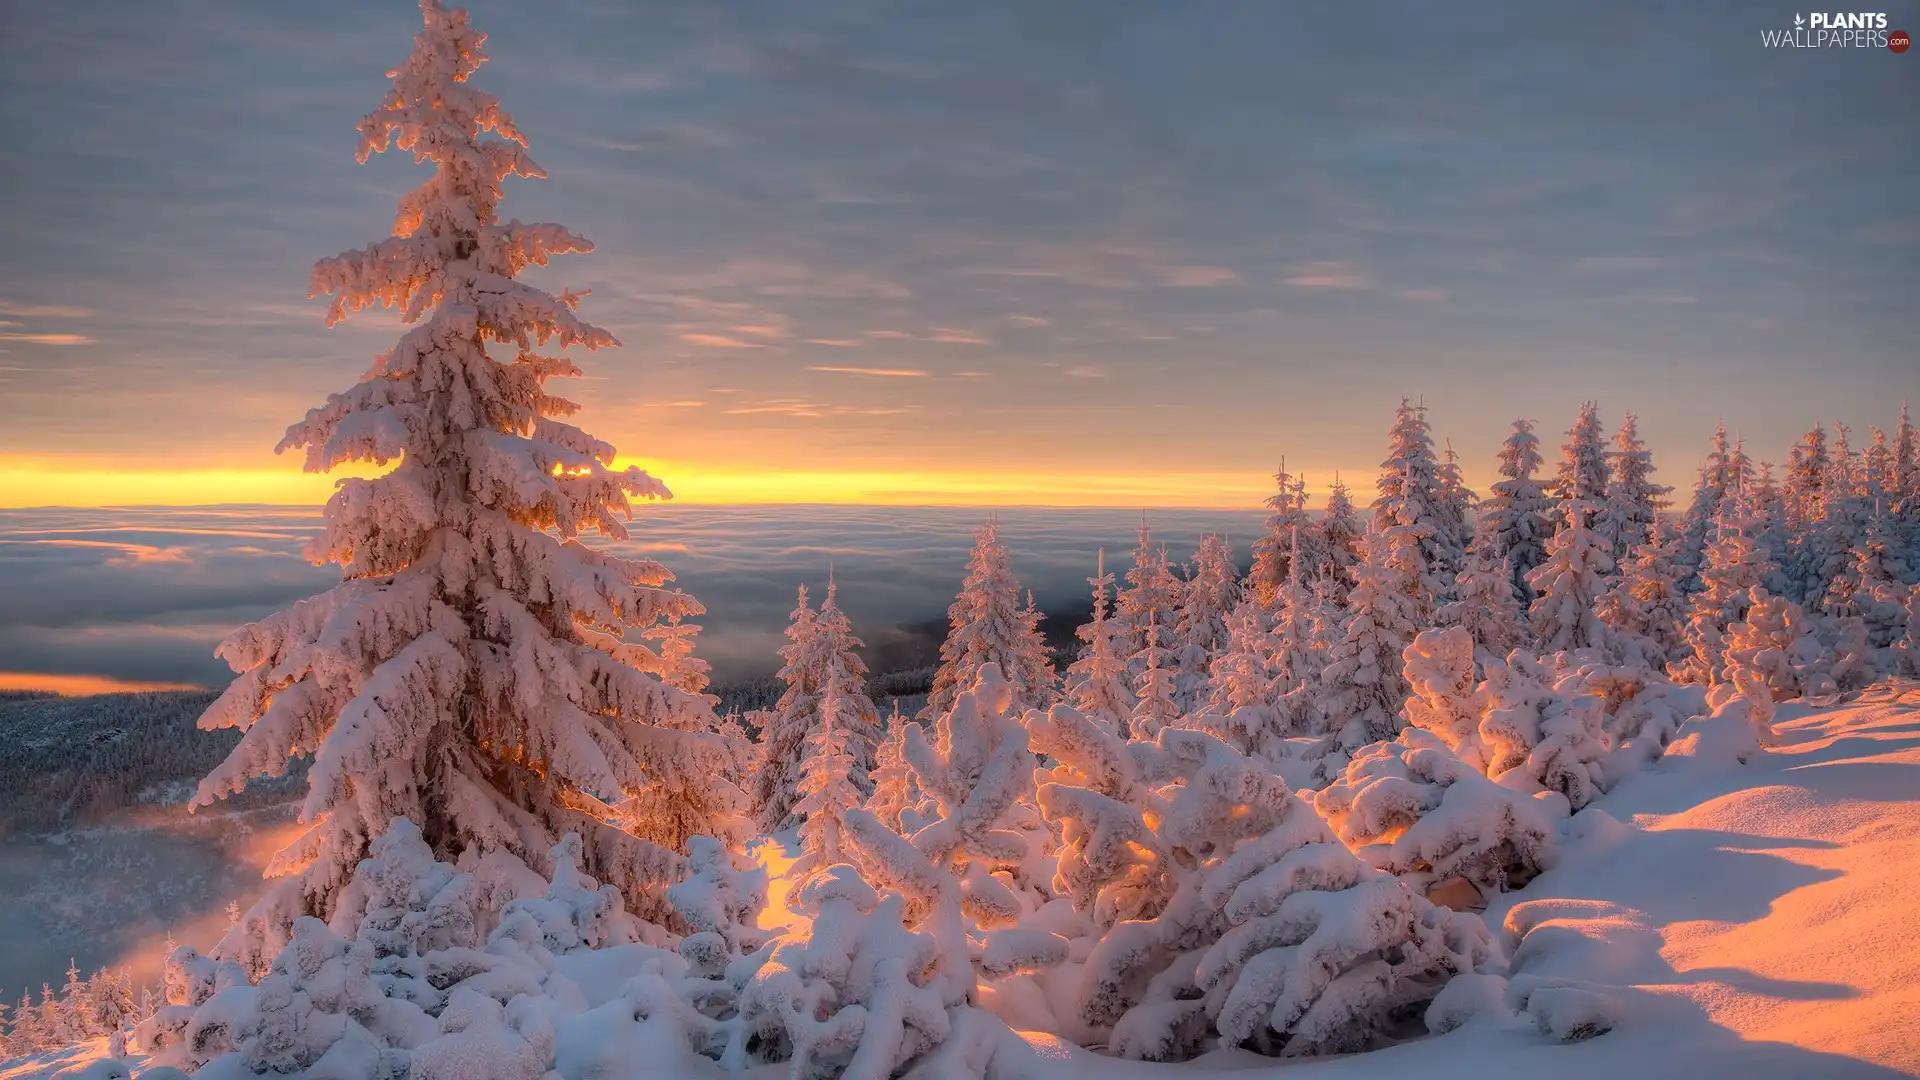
(1747, 921)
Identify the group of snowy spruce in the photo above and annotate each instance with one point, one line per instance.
(1252, 814)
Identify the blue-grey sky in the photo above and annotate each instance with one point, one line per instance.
(1105, 243)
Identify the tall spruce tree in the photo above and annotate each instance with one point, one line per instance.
(478, 670)
(1633, 501)
(1516, 513)
(988, 625)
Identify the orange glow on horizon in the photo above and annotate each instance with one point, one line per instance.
(82, 685)
(30, 482)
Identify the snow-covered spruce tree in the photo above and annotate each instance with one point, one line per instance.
(1697, 527)
(470, 671)
(1870, 585)
(1207, 596)
(1147, 607)
(896, 794)
(1643, 607)
(1640, 709)
(1457, 501)
(1735, 563)
(1516, 513)
(1273, 935)
(1096, 682)
(1361, 687)
(1906, 652)
(1807, 465)
(975, 861)
(1537, 739)
(1905, 487)
(1634, 501)
(1304, 626)
(1778, 646)
(1342, 532)
(860, 997)
(1567, 584)
(820, 658)
(784, 728)
(1156, 692)
(1583, 465)
(988, 625)
(830, 784)
(720, 900)
(1412, 493)
(1483, 602)
(1440, 670)
(1244, 686)
(1411, 807)
(1273, 552)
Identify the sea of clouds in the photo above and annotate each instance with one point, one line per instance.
(144, 594)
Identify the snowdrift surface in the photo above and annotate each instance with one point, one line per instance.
(1748, 921)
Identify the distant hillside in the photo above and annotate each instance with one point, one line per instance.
(80, 760)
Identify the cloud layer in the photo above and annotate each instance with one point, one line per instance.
(145, 595)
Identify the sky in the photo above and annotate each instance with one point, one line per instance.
(1098, 252)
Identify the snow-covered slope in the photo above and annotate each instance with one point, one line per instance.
(1750, 921)
(1729, 920)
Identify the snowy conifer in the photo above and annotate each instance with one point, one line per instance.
(1097, 682)
(1643, 607)
(1412, 808)
(1206, 598)
(1361, 688)
(820, 661)
(1516, 513)
(1342, 533)
(1155, 705)
(1244, 683)
(1869, 586)
(1483, 602)
(1583, 464)
(1412, 493)
(1439, 667)
(1698, 526)
(1538, 739)
(1273, 552)
(1566, 586)
(830, 783)
(988, 625)
(1777, 645)
(1735, 563)
(470, 672)
(1150, 600)
(784, 733)
(1633, 501)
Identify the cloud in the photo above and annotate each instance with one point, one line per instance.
(950, 336)
(1087, 371)
(889, 335)
(47, 339)
(1615, 264)
(41, 311)
(70, 613)
(837, 343)
(1422, 294)
(1328, 275)
(1029, 320)
(890, 373)
(1199, 277)
(719, 341)
(812, 410)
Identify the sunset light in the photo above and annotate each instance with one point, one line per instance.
(971, 539)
